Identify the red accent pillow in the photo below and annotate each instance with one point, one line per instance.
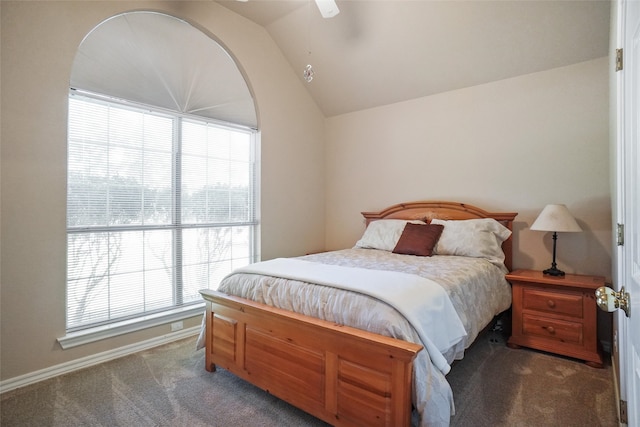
(418, 239)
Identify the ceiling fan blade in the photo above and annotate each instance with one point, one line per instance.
(328, 8)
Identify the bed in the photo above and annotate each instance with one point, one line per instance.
(357, 353)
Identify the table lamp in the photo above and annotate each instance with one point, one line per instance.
(555, 218)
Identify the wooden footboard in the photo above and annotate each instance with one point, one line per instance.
(342, 375)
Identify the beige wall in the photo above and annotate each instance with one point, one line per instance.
(39, 41)
(514, 145)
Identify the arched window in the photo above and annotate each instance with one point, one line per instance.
(162, 173)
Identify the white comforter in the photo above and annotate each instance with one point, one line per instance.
(423, 302)
(476, 288)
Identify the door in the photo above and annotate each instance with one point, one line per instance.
(628, 193)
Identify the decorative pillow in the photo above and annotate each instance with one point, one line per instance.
(478, 238)
(418, 239)
(383, 234)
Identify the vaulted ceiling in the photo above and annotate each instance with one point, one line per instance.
(378, 52)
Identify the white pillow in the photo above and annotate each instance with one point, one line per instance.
(478, 238)
(383, 234)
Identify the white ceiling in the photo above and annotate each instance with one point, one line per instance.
(377, 52)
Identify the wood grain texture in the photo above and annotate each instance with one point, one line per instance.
(342, 375)
(556, 314)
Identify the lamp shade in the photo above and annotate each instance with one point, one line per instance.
(555, 218)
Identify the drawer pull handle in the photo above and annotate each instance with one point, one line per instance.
(550, 329)
(551, 303)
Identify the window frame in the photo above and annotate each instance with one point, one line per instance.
(179, 310)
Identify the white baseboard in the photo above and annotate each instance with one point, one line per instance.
(85, 362)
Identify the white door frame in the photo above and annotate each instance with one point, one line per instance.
(627, 146)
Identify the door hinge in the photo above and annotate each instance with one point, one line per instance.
(623, 412)
(619, 57)
(620, 238)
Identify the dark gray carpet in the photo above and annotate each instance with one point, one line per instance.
(164, 386)
(498, 386)
(168, 386)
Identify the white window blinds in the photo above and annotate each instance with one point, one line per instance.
(159, 204)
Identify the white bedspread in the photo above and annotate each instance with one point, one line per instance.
(476, 288)
(423, 302)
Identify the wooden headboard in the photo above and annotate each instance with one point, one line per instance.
(427, 210)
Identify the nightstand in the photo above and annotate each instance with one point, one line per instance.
(557, 314)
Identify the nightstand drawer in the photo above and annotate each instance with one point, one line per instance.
(552, 302)
(567, 332)
(556, 314)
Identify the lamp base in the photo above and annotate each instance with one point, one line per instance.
(553, 271)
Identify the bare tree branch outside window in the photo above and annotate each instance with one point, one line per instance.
(148, 227)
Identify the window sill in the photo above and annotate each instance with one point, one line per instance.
(87, 336)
